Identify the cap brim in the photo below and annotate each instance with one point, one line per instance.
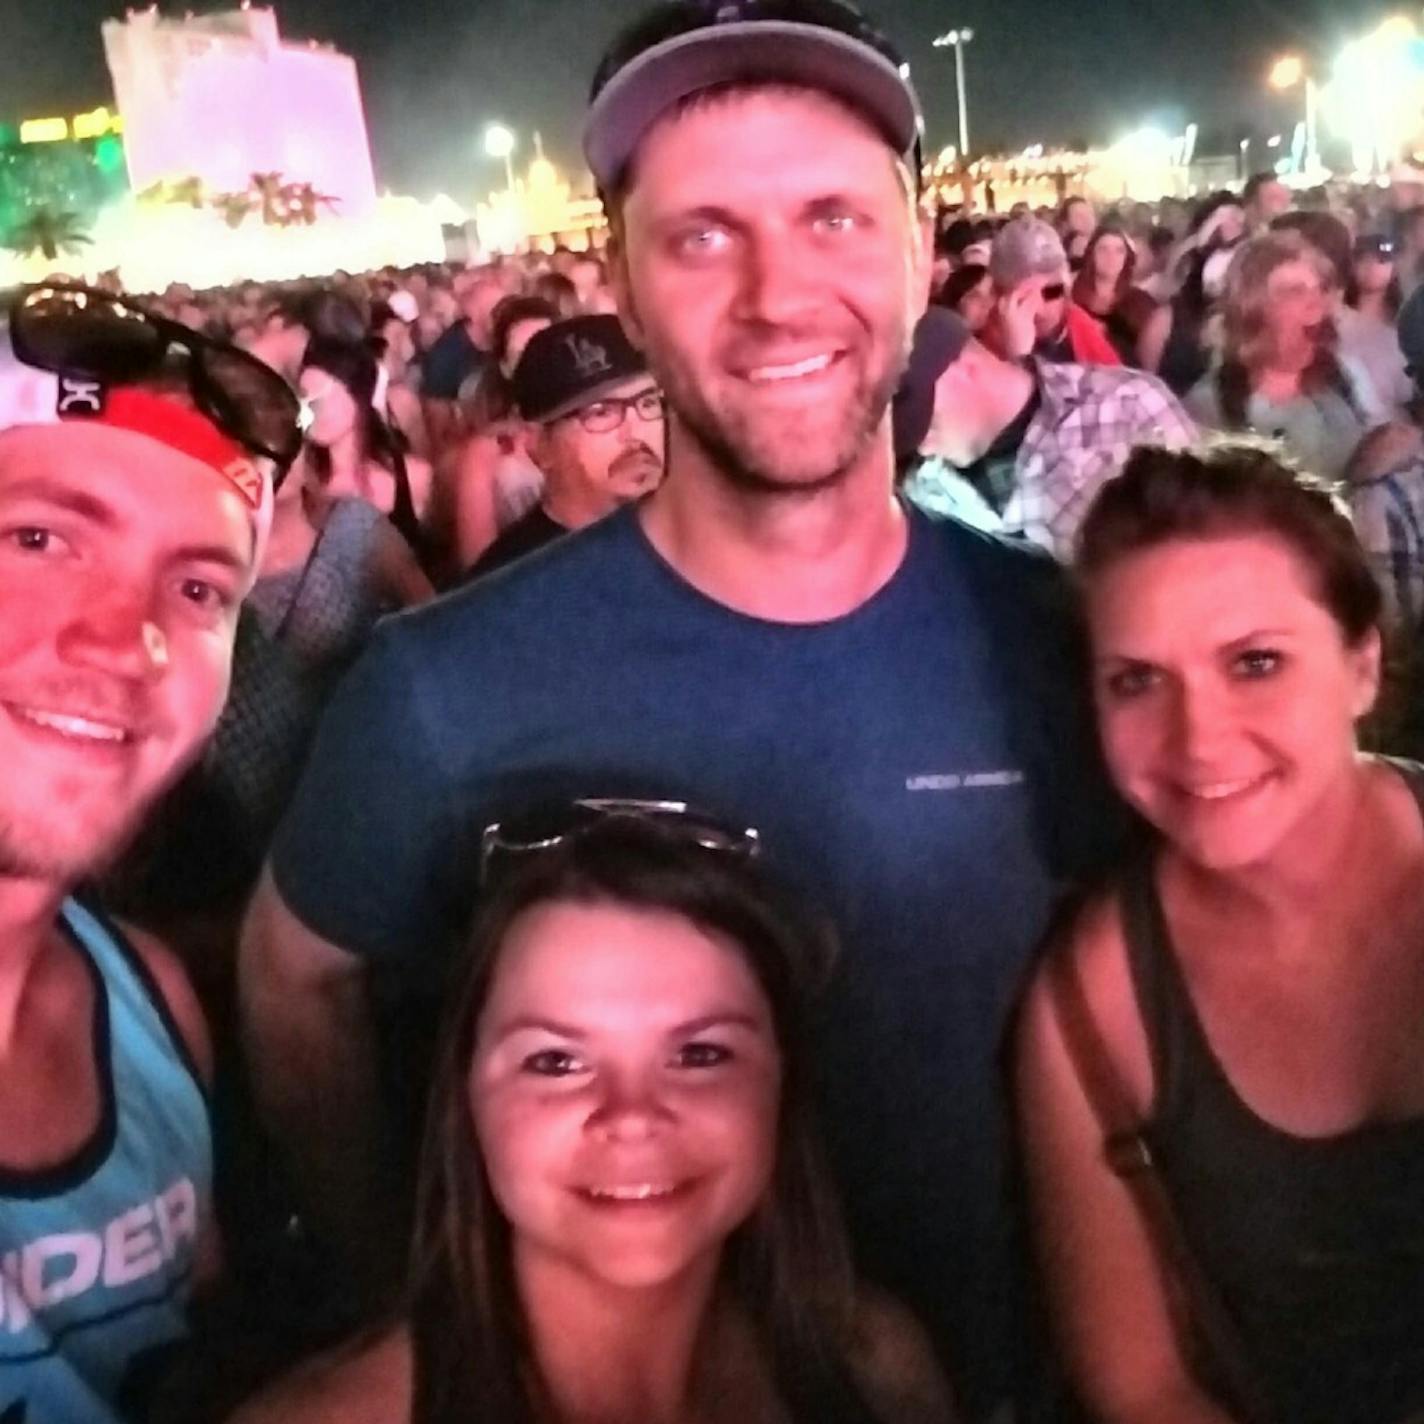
(588, 397)
(753, 50)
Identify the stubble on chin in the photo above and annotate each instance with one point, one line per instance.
(758, 457)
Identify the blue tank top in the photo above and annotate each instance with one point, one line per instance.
(97, 1253)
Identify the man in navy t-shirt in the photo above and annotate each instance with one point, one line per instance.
(891, 700)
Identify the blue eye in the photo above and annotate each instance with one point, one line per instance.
(703, 241)
(1258, 662)
(1132, 681)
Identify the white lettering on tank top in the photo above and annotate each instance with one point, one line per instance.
(136, 1244)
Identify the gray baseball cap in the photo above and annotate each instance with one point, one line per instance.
(1024, 248)
(682, 47)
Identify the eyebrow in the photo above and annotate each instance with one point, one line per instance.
(80, 502)
(90, 507)
(1256, 635)
(210, 554)
(524, 1023)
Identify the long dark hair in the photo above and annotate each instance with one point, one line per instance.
(1085, 286)
(788, 1265)
(354, 365)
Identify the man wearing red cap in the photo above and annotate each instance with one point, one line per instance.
(130, 528)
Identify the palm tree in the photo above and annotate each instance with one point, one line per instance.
(302, 201)
(186, 191)
(50, 233)
(267, 187)
(234, 207)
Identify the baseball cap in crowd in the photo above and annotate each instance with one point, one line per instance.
(682, 47)
(940, 337)
(572, 364)
(72, 354)
(1024, 248)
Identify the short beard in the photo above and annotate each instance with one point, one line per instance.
(744, 468)
(25, 856)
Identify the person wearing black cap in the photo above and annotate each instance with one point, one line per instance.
(600, 442)
(890, 699)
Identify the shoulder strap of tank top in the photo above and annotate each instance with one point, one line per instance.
(1412, 774)
(1199, 1315)
(403, 510)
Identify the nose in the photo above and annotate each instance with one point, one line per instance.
(776, 287)
(115, 633)
(1203, 721)
(630, 1109)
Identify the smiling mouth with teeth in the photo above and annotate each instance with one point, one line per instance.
(634, 1193)
(72, 727)
(812, 365)
(1223, 790)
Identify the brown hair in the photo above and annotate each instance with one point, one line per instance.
(789, 1265)
(1225, 490)
(1246, 331)
(1086, 284)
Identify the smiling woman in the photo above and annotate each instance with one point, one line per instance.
(623, 1213)
(1221, 1067)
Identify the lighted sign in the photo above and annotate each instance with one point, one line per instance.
(44, 130)
(97, 123)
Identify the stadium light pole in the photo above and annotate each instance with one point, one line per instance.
(959, 38)
(499, 143)
(1286, 73)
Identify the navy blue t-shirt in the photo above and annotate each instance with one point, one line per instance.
(450, 361)
(920, 766)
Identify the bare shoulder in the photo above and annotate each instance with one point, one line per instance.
(896, 1365)
(168, 973)
(368, 1383)
(1094, 944)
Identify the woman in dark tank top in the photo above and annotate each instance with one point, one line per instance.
(1252, 985)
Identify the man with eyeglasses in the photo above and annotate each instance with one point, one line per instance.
(600, 422)
(134, 504)
(891, 700)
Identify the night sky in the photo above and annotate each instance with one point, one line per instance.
(435, 71)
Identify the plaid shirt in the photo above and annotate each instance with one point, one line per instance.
(1389, 518)
(1088, 420)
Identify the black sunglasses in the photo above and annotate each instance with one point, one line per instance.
(543, 829)
(683, 17)
(1053, 292)
(73, 330)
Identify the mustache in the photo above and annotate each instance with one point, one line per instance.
(100, 699)
(637, 452)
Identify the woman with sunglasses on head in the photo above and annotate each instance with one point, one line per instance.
(1279, 373)
(349, 449)
(1221, 1061)
(622, 1213)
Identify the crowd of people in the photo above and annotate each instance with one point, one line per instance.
(811, 816)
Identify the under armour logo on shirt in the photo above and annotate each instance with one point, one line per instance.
(78, 397)
(589, 357)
